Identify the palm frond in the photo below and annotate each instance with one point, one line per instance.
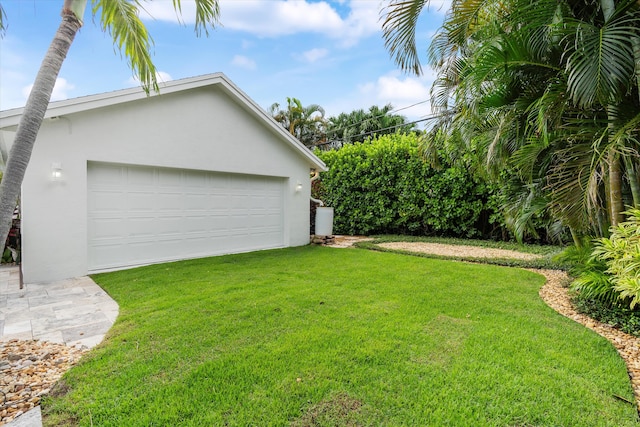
(207, 14)
(3, 20)
(574, 182)
(596, 284)
(521, 210)
(469, 17)
(120, 19)
(400, 18)
(601, 64)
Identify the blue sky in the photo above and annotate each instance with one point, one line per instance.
(327, 52)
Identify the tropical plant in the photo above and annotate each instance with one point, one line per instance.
(545, 90)
(615, 273)
(359, 125)
(305, 123)
(120, 19)
(622, 318)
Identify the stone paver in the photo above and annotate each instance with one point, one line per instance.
(74, 312)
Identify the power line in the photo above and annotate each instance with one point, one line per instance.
(424, 119)
(412, 105)
(378, 116)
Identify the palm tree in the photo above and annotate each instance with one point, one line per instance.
(359, 125)
(548, 92)
(305, 123)
(119, 18)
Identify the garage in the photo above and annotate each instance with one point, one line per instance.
(125, 178)
(140, 214)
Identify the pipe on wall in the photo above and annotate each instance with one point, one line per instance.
(315, 176)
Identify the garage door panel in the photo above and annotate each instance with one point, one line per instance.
(139, 201)
(106, 201)
(166, 201)
(141, 227)
(196, 224)
(109, 253)
(139, 177)
(109, 174)
(197, 202)
(102, 228)
(140, 214)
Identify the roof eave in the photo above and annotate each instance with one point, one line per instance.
(10, 118)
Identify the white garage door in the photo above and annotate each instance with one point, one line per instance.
(140, 214)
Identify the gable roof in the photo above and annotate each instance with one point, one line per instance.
(11, 118)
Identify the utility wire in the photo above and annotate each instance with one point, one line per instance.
(426, 118)
(378, 116)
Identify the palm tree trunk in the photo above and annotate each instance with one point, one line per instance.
(33, 115)
(577, 240)
(616, 206)
(614, 164)
(634, 184)
(635, 42)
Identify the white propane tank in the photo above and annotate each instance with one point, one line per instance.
(324, 221)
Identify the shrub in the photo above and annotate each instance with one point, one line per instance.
(619, 317)
(613, 270)
(384, 186)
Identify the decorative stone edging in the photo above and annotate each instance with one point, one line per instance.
(28, 370)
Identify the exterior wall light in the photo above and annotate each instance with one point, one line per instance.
(298, 187)
(56, 171)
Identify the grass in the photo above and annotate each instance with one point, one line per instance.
(549, 254)
(318, 336)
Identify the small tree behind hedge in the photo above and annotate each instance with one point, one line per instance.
(384, 186)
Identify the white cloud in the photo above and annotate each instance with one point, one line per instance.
(362, 22)
(60, 90)
(243, 62)
(163, 77)
(282, 17)
(392, 88)
(314, 55)
(407, 88)
(404, 91)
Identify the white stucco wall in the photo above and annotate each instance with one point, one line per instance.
(201, 129)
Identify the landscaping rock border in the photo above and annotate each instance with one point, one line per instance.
(28, 370)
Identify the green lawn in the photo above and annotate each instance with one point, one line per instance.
(318, 336)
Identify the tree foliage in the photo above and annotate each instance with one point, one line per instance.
(360, 125)
(305, 123)
(544, 90)
(613, 272)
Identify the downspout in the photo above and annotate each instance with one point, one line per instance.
(316, 175)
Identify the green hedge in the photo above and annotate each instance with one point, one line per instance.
(384, 186)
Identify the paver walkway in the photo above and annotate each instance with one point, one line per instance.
(75, 312)
(72, 312)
